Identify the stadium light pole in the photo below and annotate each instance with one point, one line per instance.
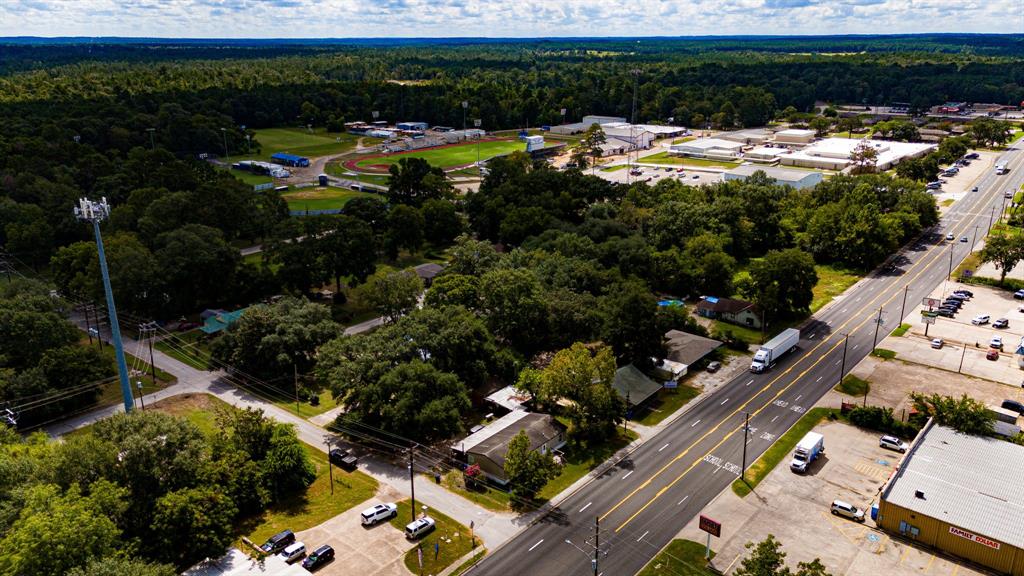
(465, 104)
(95, 212)
(479, 172)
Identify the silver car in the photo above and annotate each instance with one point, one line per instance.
(893, 443)
(840, 508)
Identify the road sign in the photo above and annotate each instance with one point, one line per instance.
(928, 319)
(931, 302)
(710, 526)
(928, 314)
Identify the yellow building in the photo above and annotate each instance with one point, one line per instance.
(961, 494)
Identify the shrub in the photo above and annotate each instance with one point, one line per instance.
(881, 419)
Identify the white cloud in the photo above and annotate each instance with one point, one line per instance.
(498, 18)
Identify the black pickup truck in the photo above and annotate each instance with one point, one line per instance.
(344, 459)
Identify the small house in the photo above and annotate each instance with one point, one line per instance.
(487, 447)
(633, 386)
(739, 312)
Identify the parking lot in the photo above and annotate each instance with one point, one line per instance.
(956, 187)
(374, 551)
(965, 345)
(795, 508)
(693, 176)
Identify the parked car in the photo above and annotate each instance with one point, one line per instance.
(1019, 294)
(964, 292)
(680, 170)
(344, 459)
(952, 303)
(992, 354)
(278, 542)
(996, 342)
(937, 343)
(945, 312)
(1013, 405)
(695, 176)
(293, 552)
(1001, 323)
(1008, 194)
(668, 169)
(840, 508)
(893, 443)
(980, 319)
(960, 297)
(318, 557)
(950, 236)
(714, 366)
(377, 513)
(419, 527)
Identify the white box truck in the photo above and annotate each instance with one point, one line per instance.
(769, 353)
(807, 450)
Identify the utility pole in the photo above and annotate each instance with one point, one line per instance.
(412, 483)
(152, 141)
(148, 332)
(625, 421)
(88, 326)
(746, 428)
(903, 308)
(330, 467)
(295, 369)
(975, 241)
(878, 322)
(950, 274)
(99, 327)
(992, 217)
(962, 354)
(597, 541)
(227, 158)
(95, 212)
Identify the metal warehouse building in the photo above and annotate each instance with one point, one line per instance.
(961, 494)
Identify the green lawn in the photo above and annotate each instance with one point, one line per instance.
(191, 348)
(749, 335)
(453, 540)
(250, 178)
(615, 168)
(578, 461)
(326, 198)
(303, 143)
(883, 354)
(903, 328)
(666, 158)
(853, 386)
(666, 403)
(679, 558)
(832, 282)
(450, 156)
(779, 450)
(488, 497)
(315, 506)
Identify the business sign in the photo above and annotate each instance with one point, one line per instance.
(710, 526)
(928, 319)
(931, 302)
(973, 537)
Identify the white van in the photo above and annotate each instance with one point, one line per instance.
(293, 552)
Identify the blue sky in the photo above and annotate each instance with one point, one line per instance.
(501, 18)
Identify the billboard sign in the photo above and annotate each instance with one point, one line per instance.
(710, 526)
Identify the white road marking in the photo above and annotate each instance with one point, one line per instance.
(717, 468)
(774, 419)
(811, 337)
(842, 311)
(819, 378)
(627, 474)
(798, 398)
(855, 346)
(723, 402)
(585, 507)
(837, 362)
(663, 447)
(751, 382)
(642, 537)
(683, 500)
(858, 299)
(695, 423)
(535, 545)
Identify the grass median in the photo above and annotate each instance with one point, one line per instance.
(779, 450)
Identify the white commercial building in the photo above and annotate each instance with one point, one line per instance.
(708, 148)
(765, 154)
(588, 120)
(798, 179)
(751, 136)
(836, 153)
(795, 136)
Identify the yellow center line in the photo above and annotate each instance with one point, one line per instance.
(926, 262)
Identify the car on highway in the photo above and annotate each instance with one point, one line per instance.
(892, 443)
(1001, 323)
(981, 319)
(963, 238)
(378, 513)
(992, 354)
(937, 343)
(996, 342)
(318, 557)
(1019, 294)
(668, 169)
(975, 189)
(950, 236)
(1008, 194)
(840, 508)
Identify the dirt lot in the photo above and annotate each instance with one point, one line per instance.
(957, 331)
(796, 510)
(376, 551)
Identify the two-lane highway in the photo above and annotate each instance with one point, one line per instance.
(644, 500)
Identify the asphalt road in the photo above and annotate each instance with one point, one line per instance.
(645, 499)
